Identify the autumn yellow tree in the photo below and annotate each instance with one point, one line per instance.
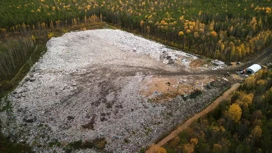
(188, 148)
(214, 34)
(161, 150)
(181, 33)
(234, 112)
(232, 53)
(244, 98)
(216, 148)
(250, 82)
(156, 149)
(194, 141)
(141, 23)
(256, 132)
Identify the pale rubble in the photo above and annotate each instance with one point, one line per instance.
(87, 85)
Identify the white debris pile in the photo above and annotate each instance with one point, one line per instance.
(87, 86)
(130, 42)
(218, 64)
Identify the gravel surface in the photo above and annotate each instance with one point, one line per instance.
(87, 86)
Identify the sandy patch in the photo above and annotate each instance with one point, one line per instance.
(163, 89)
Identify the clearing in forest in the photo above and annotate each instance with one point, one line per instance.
(106, 85)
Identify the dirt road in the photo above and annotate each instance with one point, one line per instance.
(183, 126)
(261, 59)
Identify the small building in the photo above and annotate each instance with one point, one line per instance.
(253, 69)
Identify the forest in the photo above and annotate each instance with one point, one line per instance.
(227, 30)
(240, 124)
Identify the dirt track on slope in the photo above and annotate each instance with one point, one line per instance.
(186, 124)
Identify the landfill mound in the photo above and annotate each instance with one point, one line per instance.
(87, 87)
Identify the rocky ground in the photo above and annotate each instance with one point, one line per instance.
(87, 88)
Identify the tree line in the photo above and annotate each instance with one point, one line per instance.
(226, 30)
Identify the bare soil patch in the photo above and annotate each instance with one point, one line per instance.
(198, 63)
(163, 89)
